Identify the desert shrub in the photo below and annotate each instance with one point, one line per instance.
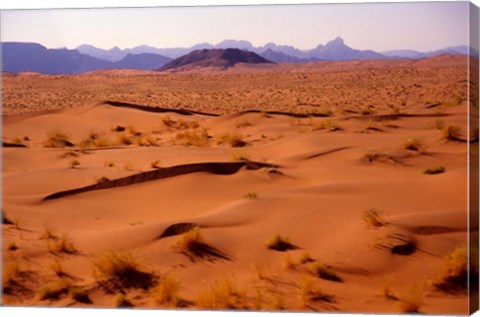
(11, 272)
(251, 196)
(243, 123)
(57, 139)
(437, 124)
(73, 163)
(234, 140)
(166, 292)
(240, 156)
(456, 270)
(79, 294)
(124, 139)
(198, 138)
(57, 268)
(374, 218)
(48, 234)
(411, 301)
(305, 258)
(53, 291)
(101, 180)
(324, 271)
(155, 164)
(310, 294)
(279, 243)
(434, 170)
(414, 144)
(452, 132)
(329, 125)
(62, 244)
(122, 301)
(223, 294)
(190, 240)
(118, 270)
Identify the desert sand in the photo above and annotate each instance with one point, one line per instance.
(114, 196)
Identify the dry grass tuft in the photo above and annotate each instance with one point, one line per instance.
(79, 294)
(310, 294)
(234, 140)
(11, 271)
(198, 138)
(251, 196)
(411, 301)
(374, 218)
(452, 133)
(57, 139)
(62, 244)
(305, 258)
(414, 144)
(55, 290)
(456, 270)
(74, 163)
(166, 292)
(324, 271)
(122, 301)
(223, 295)
(242, 123)
(119, 270)
(280, 243)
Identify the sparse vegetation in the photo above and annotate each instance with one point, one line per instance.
(324, 271)
(118, 270)
(57, 139)
(11, 272)
(452, 133)
(155, 164)
(305, 258)
(166, 292)
(198, 138)
(122, 301)
(234, 140)
(374, 218)
(251, 196)
(414, 144)
(279, 243)
(242, 123)
(310, 294)
(73, 163)
(434, 170)
(5, 219)
(79, 294)
(437, 124)
(456, 270)
(57, 268)
(240, 156)
(223, 294)
(411, 301)
(62, 244)
(54, 291)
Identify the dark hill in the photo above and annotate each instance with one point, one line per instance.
(221, 58)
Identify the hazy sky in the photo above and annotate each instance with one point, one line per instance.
(419, 26)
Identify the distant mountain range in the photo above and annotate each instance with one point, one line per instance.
(20, 57)
(33, 57)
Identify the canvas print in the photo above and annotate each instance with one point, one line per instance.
(297, 158)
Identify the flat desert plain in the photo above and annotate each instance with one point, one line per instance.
(331, 186)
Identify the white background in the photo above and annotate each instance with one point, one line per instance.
(29, 4)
